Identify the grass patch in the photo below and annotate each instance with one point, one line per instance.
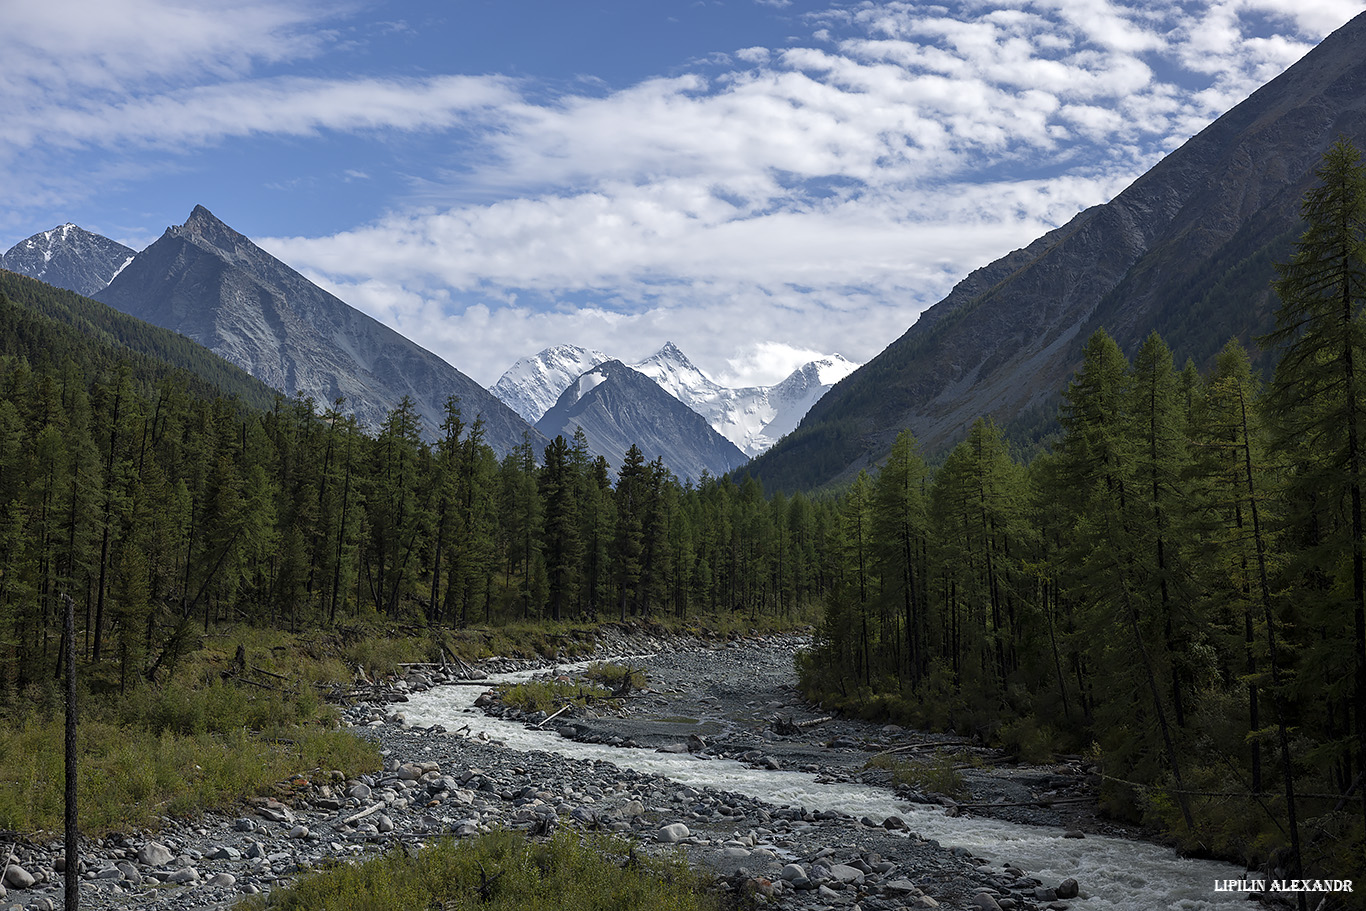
(133, 777)
(501, 871)
(549, 695)
(936, 775)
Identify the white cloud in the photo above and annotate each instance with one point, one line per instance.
(283, 107)
(812, 202)
(812, 199)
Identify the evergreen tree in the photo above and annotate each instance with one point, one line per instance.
(1319, 395)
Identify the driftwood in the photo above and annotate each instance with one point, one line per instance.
(363, 813)
(1041, 802)
(558, 712)
(786, 725)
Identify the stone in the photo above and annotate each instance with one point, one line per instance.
(183, 876)
(1068, 888)
(846, 874)
(1073, 833)
(223, 852)
(901, 886)
(673, 832)
(384, 824)
(16, 877)
(221, 880)
(154, 854)
(925, 903)
(793, 872)
(895, 823)
(299, 831)
(985, 902)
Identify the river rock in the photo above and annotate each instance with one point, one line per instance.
(985, 902)
(846, 874)
(154, 854)
(183, 876)
(221, 880)
(1068, 888)
(16, 877)
(793, 872)
(673, 832)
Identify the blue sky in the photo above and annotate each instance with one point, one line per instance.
(758, 180)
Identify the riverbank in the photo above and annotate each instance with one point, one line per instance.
(437, 783)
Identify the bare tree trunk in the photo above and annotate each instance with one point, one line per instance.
(73, 882)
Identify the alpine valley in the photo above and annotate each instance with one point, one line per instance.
(996, 620)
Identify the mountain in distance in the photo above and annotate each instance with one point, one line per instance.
(69, 257)
(1187, 250)
(752, 418)
(617, 406)
(532, 386)
(212, 284)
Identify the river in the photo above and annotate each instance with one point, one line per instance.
(1117, 874)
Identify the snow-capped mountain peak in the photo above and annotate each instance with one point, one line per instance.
(532, 385)
(671, 369)
(70, 257)
(753, 418)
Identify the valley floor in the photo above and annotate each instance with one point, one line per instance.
(728, 695)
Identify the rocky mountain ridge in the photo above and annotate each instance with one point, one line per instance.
(212, 284)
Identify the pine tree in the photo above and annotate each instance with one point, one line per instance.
(1319, 396)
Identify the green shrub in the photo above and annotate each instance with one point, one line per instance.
(501, 871)
(549, 695)
(936, 775)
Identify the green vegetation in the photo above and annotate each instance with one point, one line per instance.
(1176, 587)
(502, 872)
(187, 511)
(619, 678)
(550, 695)
(934, 775)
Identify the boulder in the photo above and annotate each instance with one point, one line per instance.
(1068, 888)
(673, 832)
(154, 854)
(16, 877)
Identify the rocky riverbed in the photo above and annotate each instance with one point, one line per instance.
(721, 700)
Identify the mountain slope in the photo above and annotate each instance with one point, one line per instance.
(617, 406)
(68, 257)
(1186, 250)
(45, 325)
(210, 283)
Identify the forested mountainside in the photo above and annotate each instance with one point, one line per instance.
(1183, 251)
(48, 327)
